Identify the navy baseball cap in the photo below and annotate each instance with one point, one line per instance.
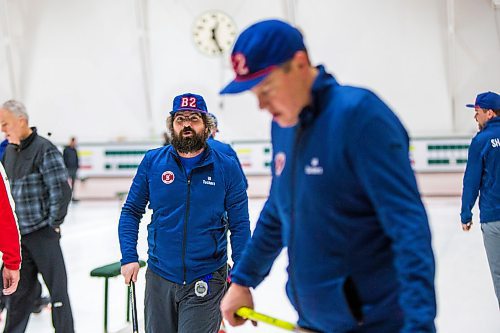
(189, 102)
(259, 49)
(486, 101)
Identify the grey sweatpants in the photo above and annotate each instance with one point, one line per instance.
(170, 307)
(491, 237)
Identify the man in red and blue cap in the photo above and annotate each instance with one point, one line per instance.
(190, 187)
(343, 199)
(482, 178)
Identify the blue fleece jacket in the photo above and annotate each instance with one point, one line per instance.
(345, 203)
(187, 236)
(228, 150)
(482, 175)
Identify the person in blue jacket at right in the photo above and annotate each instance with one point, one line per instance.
(221, 146)
(343, 198)
(197, 194)
(482, 177)
(3, 145)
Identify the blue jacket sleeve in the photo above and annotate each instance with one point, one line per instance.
(132, 212)
(235, 156)
(380, 158)
(237, 212)
(472, 180)
(262, 249)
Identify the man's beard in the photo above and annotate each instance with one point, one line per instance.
(190, 144)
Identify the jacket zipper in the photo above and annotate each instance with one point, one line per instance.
(186, 216)
(292, 218)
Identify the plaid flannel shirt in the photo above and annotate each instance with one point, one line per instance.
(41, 196)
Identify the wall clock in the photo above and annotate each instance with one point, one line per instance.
(214, 33)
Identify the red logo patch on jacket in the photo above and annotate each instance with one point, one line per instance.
(168, 177)
(279, 163)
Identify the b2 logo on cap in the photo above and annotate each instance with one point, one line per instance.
(168, 177)
(240, 64)
(188, 101)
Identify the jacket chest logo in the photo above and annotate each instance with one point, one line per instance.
(279, 163)
(314, 169)
(168, 177)
(209, 181)
(495, 142)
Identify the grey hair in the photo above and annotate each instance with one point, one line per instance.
(211, 123)
(212, 120)
(17, 108)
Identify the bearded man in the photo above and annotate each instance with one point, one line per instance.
(189, 187)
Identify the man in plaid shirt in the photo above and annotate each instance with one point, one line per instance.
(41, 194)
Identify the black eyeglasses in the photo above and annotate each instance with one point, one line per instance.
(192, 119)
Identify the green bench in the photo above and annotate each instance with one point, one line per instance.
(108, 271)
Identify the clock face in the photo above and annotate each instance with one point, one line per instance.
(214, 33)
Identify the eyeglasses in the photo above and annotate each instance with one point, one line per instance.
(192, 119)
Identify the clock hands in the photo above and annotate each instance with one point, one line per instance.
(213, 33)
(214, 37)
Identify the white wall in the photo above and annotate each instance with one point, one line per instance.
(477, 52)
(392, 47)
(78, 66)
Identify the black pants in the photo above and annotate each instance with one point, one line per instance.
(72, 177)
(175, 308)
(41, 253)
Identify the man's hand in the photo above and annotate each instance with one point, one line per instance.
(10, 280)
(130, 271)
(236, 297)
(467, 226)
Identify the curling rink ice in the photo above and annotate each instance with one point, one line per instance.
(466, 300)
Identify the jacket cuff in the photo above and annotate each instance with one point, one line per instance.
(242, 281)
(128, 261)
(13, 267)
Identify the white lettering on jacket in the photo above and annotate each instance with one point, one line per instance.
(495, 142)
(314, 168)
(209, 181)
